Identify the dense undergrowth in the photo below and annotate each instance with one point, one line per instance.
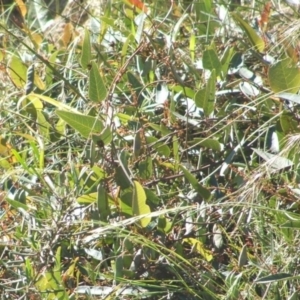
(149, 150)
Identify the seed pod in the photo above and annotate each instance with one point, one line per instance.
(29, 80)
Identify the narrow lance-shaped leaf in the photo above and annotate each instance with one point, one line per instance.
(195, 184)
(226, 59)
(87, 199)
(43, 125)
(254, 38)
(276, 278)
(211, 61)
(139, 206)
(53, 102)
(85, 125)
(97, 89)
(207, 143)
(243, 257)
(129, 41)
(102, 201)
(205, 98)
(86, 50)
(119, 262)
(122, 175)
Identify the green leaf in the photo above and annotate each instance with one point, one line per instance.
(49, 71)
(125, 118)
(284, 77)
(275, 278)
(125, 203)
(51, 281)
(152, 197)
(203, 10)
(58, 104)
(85, 125)
(288, 122)
(31, 104)
(211, 61)
(255, 40)
(118, 268)
(102, 201)
(139, 206)
(87, 199)
(226, 59)
(243, 257)
(17, 204)
(176, 150)
(146, 66)
(122, 173)
(17, 71)
(186, 91)
(85, 58)
(164, 224)
(207, 143)
(205, 193)
(137, 87)
(29, 269)
(137, 144)
(97, 89)
(105, 24)
(160, 147)
(205, 98)
(160, 128)
(145, 168)
(99, 172)
(43, 125)
(108, 21)
(197, 246)
(105, 136)
(295, 224)
(38, 82)
(58, 259)
(130, 40)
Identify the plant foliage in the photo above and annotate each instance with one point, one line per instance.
(149, 150)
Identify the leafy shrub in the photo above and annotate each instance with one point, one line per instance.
(149, 150)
